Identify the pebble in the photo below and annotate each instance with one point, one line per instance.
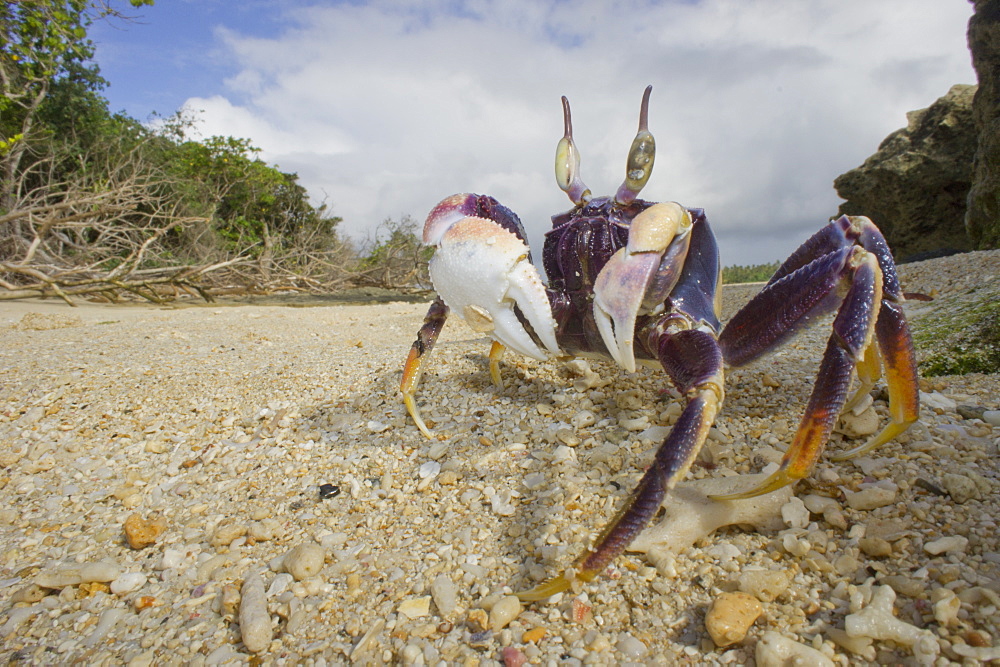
(128, 582)
(765, 585)
(795, 514)
(279, 584)
(443, 591)
(630, 647)
(690, 513)
(30, 594)
(875, 547)
(950, 544)
(938, 401)
(971, 411)
(731, 616)
(871, 498)
(304, 561)
(141, 532)
(992, 417)
(415, 607)
(583, 419)
(230, 599)
(429, 469)
(105, 622)
(535, 635)
(72, 575)
(225, 534)
(858, 426)
(505, 610)
(478, 620)
(513, 657)
(961, 488)
(946, 606)
(32, 416)
(255, 622)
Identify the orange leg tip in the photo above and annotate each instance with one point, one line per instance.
(779, 479)
(557, 584)
(411, 372)
(891, 430)
(411, 407)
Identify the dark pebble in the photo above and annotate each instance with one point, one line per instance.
(328, 491)
(971, 411)
(930, 486)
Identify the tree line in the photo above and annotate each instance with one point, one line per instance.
(97, 203)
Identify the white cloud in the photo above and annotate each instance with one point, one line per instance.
(387, 107)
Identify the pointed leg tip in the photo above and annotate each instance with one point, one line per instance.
(495, 376)
(778, 480)
(890, 432)
(411, 407)
(546, 589)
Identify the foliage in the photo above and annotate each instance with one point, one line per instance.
(93, 201)
(396, 257)
(962, 339)
(755, 273)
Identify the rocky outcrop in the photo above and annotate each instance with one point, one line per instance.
(915, 186)
(982, 219)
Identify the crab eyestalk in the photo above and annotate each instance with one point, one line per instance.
(640, 156)
(568, 162)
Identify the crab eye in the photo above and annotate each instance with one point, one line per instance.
(640, 156)
(568, 162)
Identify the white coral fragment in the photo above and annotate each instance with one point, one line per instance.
(877, 621)
(776, 650)
(691, 514)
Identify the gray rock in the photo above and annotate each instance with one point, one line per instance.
(982, 218)
(915, 186)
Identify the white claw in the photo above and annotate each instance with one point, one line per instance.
(618, 293)
(623, 283)
(482, 271)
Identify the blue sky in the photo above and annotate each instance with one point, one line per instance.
(383, 108)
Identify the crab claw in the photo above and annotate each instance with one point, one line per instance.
(639, 276)
(482, 272)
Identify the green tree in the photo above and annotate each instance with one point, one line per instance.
(396, 258)
(43, 47)
(753, 273)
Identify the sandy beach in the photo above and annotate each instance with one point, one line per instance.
(242, 485)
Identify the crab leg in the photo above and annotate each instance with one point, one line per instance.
(894, 342)
(791, 301)
(694, 362)
(426, 337)
(896, 349)
(892, 335)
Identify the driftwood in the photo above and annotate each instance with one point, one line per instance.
(115, 232)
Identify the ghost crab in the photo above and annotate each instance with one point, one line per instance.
(637, 280)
